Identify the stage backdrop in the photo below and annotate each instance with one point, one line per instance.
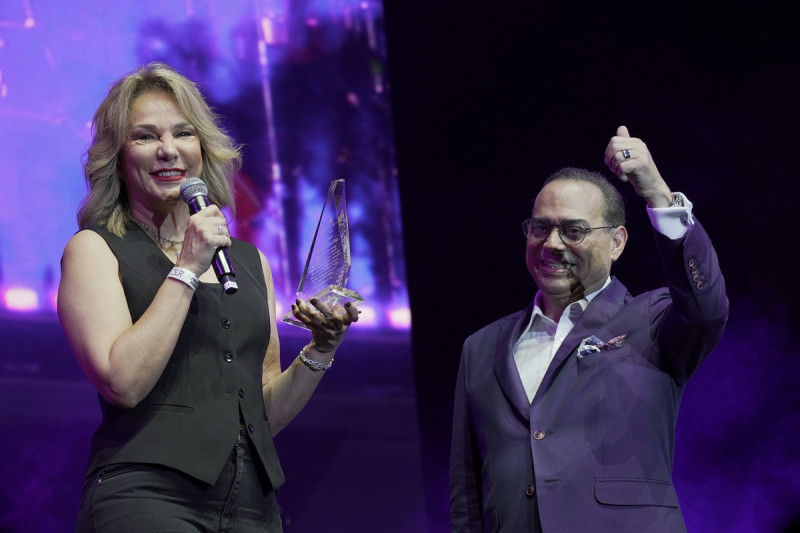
(302, 85)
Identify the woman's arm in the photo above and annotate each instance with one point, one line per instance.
(122, 360)
(287, 392)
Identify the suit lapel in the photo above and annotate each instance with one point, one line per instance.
(505, 369)
(594, 318)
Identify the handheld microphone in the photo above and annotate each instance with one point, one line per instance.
(195, 193)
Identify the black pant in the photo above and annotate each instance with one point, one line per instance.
(128, 498)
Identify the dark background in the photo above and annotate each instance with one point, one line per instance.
(490, 98)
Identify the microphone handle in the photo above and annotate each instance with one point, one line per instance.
(223, 267)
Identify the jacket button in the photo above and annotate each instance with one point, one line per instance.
(692, 261)
(530, 490)
(226, 323)
(251, 428)
(699, 284)
(228, 357)
(538, 435)
(241, 393)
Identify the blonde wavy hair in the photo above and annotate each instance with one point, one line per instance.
(106, 202)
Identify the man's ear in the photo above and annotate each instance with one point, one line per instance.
(618, 239)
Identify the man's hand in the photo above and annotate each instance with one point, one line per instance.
(629, 158)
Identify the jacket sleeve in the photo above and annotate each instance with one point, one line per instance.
(690, 323)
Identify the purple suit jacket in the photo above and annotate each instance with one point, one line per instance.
(593, 451)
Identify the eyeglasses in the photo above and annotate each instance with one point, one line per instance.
(571, 233)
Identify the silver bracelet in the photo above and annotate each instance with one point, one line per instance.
(184, 276)
(316, 366)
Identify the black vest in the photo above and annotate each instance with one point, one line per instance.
(212, 382)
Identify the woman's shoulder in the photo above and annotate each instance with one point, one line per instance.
(86, 238)
(86, 245)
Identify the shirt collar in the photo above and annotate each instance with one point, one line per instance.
(583, 303)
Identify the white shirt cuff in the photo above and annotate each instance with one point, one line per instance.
(672, 222)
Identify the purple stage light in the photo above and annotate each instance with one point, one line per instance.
(21, 299)
(400, 317)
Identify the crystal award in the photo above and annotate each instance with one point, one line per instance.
(328, 264)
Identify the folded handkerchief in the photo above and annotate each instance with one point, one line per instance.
(593, 344)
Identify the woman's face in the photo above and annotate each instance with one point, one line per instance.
(160, 150)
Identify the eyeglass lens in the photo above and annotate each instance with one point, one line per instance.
(569, 231)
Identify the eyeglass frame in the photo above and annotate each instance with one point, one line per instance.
(526, 224)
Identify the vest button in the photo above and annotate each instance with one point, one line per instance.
(530, 490)
(251, 428)
(241, 393)
(226, 323)
(228, 357)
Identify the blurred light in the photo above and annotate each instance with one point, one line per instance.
(21, 299)
(368, 317)
(267, 30)
(53, 297)
(400, 317)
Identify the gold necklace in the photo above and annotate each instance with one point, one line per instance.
(159, 239)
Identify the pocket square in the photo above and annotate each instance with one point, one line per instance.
(593, 344)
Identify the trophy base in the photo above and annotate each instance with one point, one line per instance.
(332, 296)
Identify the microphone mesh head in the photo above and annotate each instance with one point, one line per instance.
(192, 187)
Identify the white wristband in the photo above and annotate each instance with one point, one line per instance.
(184, 276)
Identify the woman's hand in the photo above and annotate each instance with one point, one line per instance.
(206, 231)
(327, 324)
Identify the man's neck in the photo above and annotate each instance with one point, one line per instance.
(553, 307)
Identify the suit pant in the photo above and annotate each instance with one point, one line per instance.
(128, 498)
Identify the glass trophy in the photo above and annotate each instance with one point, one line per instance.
(328, 264)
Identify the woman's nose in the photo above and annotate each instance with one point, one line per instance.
(167, 150)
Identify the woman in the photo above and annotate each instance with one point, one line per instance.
(189, 378)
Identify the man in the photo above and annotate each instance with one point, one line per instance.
(565, 412)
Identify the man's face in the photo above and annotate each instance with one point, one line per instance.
(565, 273)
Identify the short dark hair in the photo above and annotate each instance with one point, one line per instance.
(614, 208)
